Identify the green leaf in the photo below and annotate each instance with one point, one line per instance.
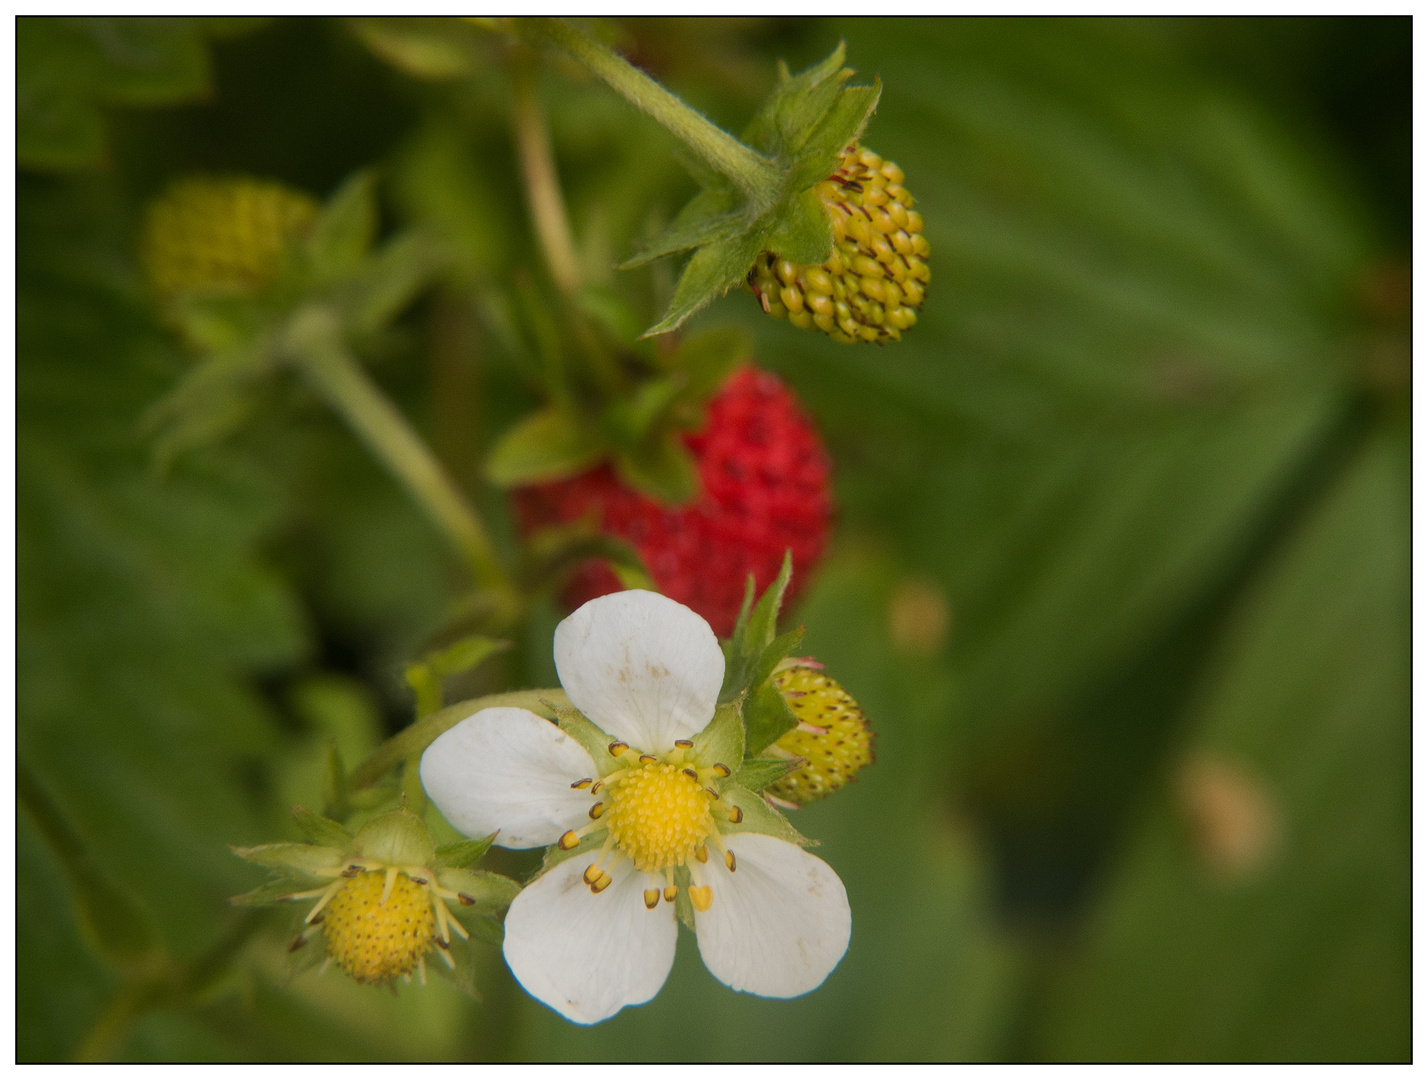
(320, 830)
(759, 817)
(479, 891)
(722, 740)
(1274, 922)
(763, 620)
(112, 920)
(464, 654)
(302, 857)
(345, 229)
(552, 551)
(463, 853)
(748, 649)
(767, 717)
(547, 445)
(336, 796)
(711, 272)
(428, 48)
(662, 468)
(399, 272)
(796, 105)
(758, 773)
(707, 358)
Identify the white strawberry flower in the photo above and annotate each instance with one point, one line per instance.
(589, 937)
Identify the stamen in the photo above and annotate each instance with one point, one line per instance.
(736, 815)
(388, 886)
(684, 744)
(418, 880)
(730, 861)
(592, 874)
(617, 748)
(651, 898)
(351, 871)
(722, 771)
(326, 896)
(701, 896)
(442, 925)
(595, 788)
(583, 783)
(446, 955)
(567, 840)
(670, 892)
(603, 884)
(701, 853)
(648, 759)
(297, 943)
(597, 810)
(692, 775)
(464, 900)
(421, 968)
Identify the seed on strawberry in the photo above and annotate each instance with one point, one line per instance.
(833, 735)
(220, 234)
(873, 285)
(764, 488)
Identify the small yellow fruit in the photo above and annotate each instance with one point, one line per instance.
(376, 941)
(832, 734)
(876, 236)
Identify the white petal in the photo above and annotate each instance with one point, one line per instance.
(508, 770)
(643, 667)
(588, 956)
(779, 924)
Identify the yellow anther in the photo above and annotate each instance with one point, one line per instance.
(736, 815)
(701, 853)
(648, 759)
(670, 892)
(583, 783)
(691, 774)
(722, 771)
(597, 810)
(601, 885)
(617, 748)
(651, 898)
(592, 874)
(595, 787)
(684, 744)
(567, 840)
(730, 861)
(701, 896)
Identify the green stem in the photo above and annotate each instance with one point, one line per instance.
(547, 204)
(759, 177)
(409, 743)
(314, 342)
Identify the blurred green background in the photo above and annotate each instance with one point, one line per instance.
(1121, 572)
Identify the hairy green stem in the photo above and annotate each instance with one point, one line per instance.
(314, 343)
(410, 742)
(755, 174)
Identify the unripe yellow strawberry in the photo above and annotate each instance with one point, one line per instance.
(873, 285)
(832, 735)
(220, 234)
(376, 935)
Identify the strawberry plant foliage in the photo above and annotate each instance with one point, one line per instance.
(803, 128)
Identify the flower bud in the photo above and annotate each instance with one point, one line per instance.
(873, 284)
(213, 234)
(832, 734)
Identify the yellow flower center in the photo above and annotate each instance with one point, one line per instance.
(372, 940)
(658, 815)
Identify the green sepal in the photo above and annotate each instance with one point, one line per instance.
(759, 817)
(321, 830)
(662, 468)
(754, 630)
(722, 740)
(398, 838)
(210, 401)
(714, 269)
(711, 215)
(683, 907)
(462, 974)
(758, 773)
(305, 858)
(344, 229)
(803, 125)
(551, 444)
(278, 890)
(803, 234)
(774, 654)
(463, 852)
(767, 717)
(487, 892)
(484, 928)
(596, 743)
(311, 953)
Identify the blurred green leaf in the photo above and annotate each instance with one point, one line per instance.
(1270, 918)
(547, 445)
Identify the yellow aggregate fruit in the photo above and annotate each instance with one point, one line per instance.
(873, 285)
(377, 931)
(832, 734)
(220, 234)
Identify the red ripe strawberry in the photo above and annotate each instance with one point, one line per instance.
(764, 487)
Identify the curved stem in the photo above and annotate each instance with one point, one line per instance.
(314, 343)
(547, 205)
(410, 742)
(755, 174)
